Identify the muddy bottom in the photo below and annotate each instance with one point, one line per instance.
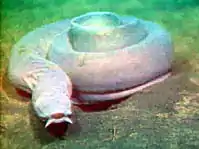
(119, 119)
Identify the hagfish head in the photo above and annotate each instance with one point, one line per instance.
(55, 111)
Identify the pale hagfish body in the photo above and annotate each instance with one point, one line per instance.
(103, 55)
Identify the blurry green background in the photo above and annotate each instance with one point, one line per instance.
(165, 116)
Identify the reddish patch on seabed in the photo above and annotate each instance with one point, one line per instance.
(93, 107)
(25, 95)
(100, 106)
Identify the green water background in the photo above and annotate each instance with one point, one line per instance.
(165, 130)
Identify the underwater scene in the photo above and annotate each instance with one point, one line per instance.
(99, 74)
